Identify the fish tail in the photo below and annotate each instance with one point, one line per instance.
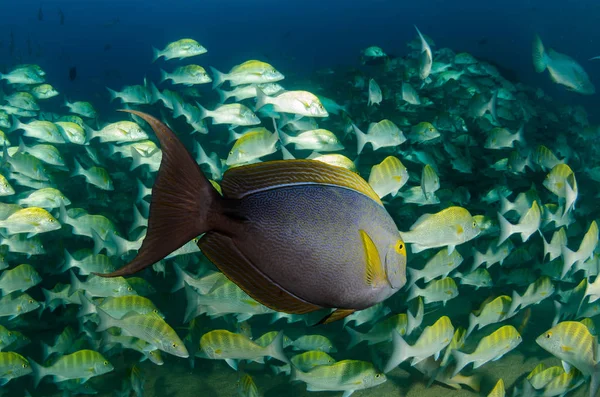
(113, 94)
(178, 110)
(539, 54)
(355, 337)
(275, 349)
(37, 370)
(15, 124)
(46, 351)
(75, 283)
(492, 105)
(515, 303)
(194, 304)
(473, 323)
(106, 321)
(138, 219)
(184, 203)
(361, 139)
(506, 229)
(569, 258)
(69, 261)
(287, 155)
(163, 75)
(462, 360)
(413, 322)
(87, 307)
(154, 93)
(218, 77)
(203, 112)
(155, 54)
(223, 96)
(400, 352)
(179, 280)
(261, 99)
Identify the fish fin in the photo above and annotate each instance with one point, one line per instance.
(287, 155)
(113, 94)
(419, 221)
(413, 322)
(462, 360)
(355, 337)
(336, 315)
(37, 370)
(275, 348)
(163, 75)
(156, 53)
(400, 352)
(361, 139)
(375, 275)
(347, 393)
(184, 203)
(506, 229)
(240, 181)
(539, 54)
(218, 77)
(232, 363)
(221, 251)
(261, 99)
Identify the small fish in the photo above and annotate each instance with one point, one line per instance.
(382, 134)
(314, 342)
(490, 348)
(183, 48)
(573, 343)
(449, 227)
(495, 253)
(491, 311)
(301, 103)
(24, 74)
(83, 365)
(477, 278)
(251, 146)
(249, 91)
(440, 265)
(319, 139)
(12, 366)
(96, 176)
(346, 375)
(31, 220)
(235, 114)
(563, 69)
(409, 94)
(536, 292)
(19, 278)
(81, 108)
(375, 95)
(120, 132)
(249, 72)
(425, 57)
(5, 187)
(71, 132)
(388, 177)
(501, 138)
(588, 244)
(246, 387)
(431, 342)
(441, 290)
(187, 75)
(380, 332)
(423, 132)
(528, 224)
(225, 345)
(44, 91)
(430, 182)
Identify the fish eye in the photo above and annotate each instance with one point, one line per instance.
(129, 289)
(378, 375)
(106, 363)
(174, 345)
(548, 335)
(474, 224)
(431, 129)
(30, 301)
(273, 71)
(25, 365)
(155, 311)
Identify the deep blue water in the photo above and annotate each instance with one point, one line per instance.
(295, 36)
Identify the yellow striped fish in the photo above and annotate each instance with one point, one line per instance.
(388, 177)
(246, 387)
(12, 365)
(457, 342)
(544, 157)
(564, 383)
(224, 345)
(490, 348)
(431, 342)
(380, 332)
(430, 181)
(83, 364)
(147, 327)
(346, 375)
(572, 342)
(314, 342)
(19, 278)
(435, 291)
(541, 376)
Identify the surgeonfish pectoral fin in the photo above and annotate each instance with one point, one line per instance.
(183, 202)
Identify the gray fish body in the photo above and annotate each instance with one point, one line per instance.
(302, 237)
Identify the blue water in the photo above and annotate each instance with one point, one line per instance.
(299, 37)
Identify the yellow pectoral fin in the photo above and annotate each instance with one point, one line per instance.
(566, 349)
(374, 273)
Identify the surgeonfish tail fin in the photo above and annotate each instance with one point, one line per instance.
(539, 54)
(184, 203)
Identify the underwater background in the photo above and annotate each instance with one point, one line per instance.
(500, 139)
